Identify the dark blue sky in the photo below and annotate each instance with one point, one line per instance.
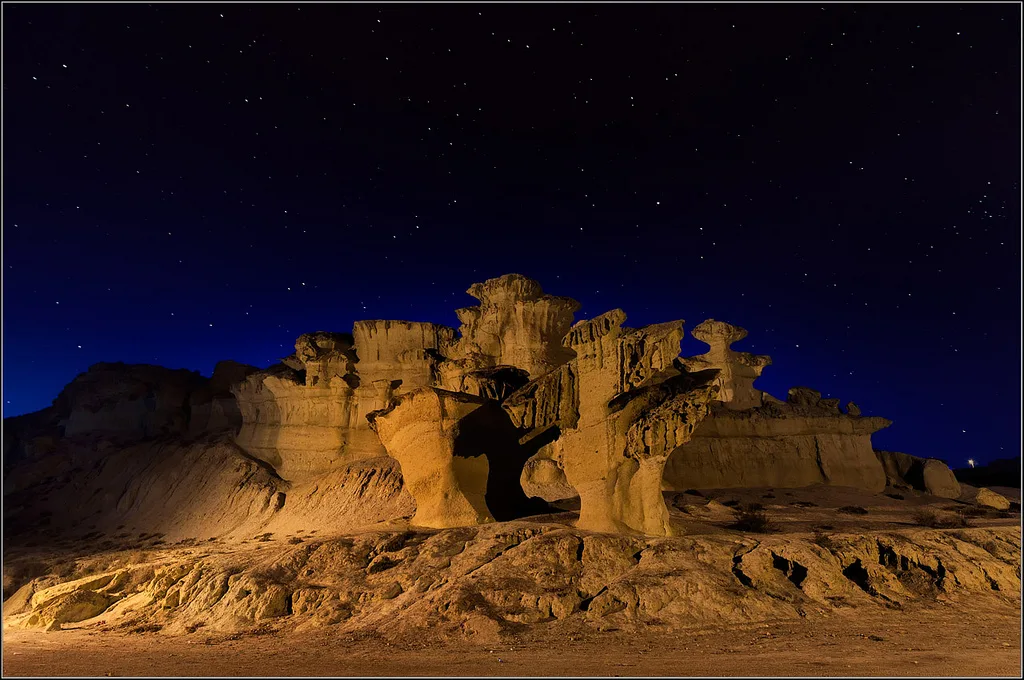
(842, 180)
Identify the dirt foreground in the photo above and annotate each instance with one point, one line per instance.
(938, 640)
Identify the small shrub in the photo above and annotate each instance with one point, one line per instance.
(852, 510)
(263, 537)
(969, 510)
(295, 539)
(932, 519)
(825, 541)
(753, 518)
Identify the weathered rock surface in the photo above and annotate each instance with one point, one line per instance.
(203, 489)
(991, 499)
(620, 409)
(128, 400)
(516, 324)
(419, 429)
(779, 445)
(924, 474)
(491, 580)
(213, 408)
(737, 371)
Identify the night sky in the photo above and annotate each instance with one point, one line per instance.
(189, 183)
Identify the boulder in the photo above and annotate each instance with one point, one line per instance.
(924, 474)
(991, 499)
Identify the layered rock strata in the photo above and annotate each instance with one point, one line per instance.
(620, 409)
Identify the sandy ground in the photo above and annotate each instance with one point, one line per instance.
(940, 640)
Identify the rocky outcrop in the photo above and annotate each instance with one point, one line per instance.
(515, 324)
(488, 582)
(419, 429)
(924, 474)
(213, 408)
(620, 408)
(128, 400)
(791, 444)
(307, 415)
(753, 439)
(737, 371)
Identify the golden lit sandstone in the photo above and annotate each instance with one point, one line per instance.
(620, 408)
(516, 324)
(752, 439)
(308, 415)
(803, 441)
(737, 371)
(991, 499)
(419, 429)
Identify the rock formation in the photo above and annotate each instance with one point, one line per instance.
(128, 400)
(213, 408)
(924, 474)
(620, 409)
(419, 430)
(516, 324)
(991, 499)
(516, 405)
(737, 371)
(753, 439)
(309, 414)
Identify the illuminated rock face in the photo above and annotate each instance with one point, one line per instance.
(420, 429)
(309, 414)
(611, 414)
(620, 408)
(924, 474)
(736, 370)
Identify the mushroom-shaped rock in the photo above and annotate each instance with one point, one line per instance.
(619, 409)
(516, 324)
(419, 429)
(737, 370)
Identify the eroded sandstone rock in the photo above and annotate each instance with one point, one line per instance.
(737, 371)
(620, 409)
(419, 429)
(924, 474)
(214, 408)
(128, 400)
(516, 324)
(778, 445)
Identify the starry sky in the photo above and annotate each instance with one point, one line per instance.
(189, 183)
